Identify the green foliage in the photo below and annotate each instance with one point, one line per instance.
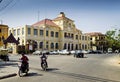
(113, 39)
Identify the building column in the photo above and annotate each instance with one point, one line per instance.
(15, 49)
(38, 44)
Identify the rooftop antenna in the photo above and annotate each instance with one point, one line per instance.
(38, 15)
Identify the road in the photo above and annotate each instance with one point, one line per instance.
(63, 68)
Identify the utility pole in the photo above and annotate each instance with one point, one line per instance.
(1, 22)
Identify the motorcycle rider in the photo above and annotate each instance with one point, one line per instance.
(42, 57)
(25, 61)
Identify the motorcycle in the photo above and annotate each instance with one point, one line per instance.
(23, 69)
(44, 64)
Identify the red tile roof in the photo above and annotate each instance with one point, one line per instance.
(45, 21)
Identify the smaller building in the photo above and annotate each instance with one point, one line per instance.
(3, 33)
(98, 41)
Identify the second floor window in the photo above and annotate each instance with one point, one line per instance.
(56, 34)
(72, 36)
(18, 31)
(76, 36)
(52, 34)
(65, 34)
(41, 32)
(47, 33)
(14, 32)
(29, 31)
(35, 32)
(83, 38)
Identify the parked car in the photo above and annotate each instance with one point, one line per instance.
(79, 54)
(95, 52)
(52, 52)
(63, 52)
(37, 52)
(72, 52)
(109, 50)
(85, 52)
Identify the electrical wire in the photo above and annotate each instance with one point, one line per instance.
(0, 1)
(12, 2)
(5, 4)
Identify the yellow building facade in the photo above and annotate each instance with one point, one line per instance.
(98, 41)
(57, 34)
(3, 33)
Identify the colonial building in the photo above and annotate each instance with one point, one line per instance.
(3, 33)
(57, 34)
(98, 41)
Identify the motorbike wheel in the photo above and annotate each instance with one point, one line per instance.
(21, 73)
(44, 67)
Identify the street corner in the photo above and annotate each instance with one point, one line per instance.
(8, 76)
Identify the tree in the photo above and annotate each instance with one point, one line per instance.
(113, 39)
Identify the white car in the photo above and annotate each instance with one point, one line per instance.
(64, 52)
(72, 52)
(85, 52)
(36, 52)
(53, 52)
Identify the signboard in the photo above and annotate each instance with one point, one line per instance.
(30, 47)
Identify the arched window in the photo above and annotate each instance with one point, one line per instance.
(52, 45)
(65, 35)
(41, 45)
(35, 44)
(65, 46)
(72, 46)
(68, 46)
(52, 34)
(56, 45)
(83, 46)
(76, 47)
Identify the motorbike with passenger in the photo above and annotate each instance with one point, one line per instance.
(24, 66)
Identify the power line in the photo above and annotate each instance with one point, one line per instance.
(0, 1)
(10, 2)
(5, 4)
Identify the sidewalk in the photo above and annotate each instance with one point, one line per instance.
(8, 69)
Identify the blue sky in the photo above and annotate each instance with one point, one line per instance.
(89, 15)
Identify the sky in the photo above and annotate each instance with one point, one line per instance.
(88, 15)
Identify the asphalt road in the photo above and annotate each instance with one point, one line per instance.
(62, 68)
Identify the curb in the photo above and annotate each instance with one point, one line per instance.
(7, 76)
